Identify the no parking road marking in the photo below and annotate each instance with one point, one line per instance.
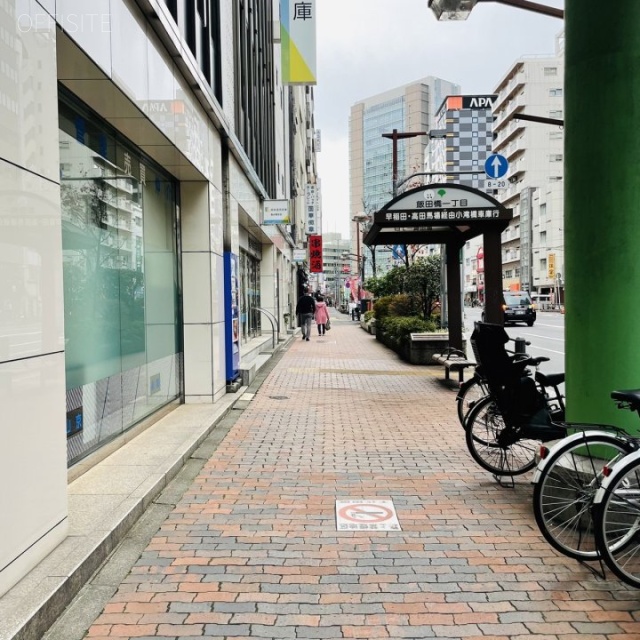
(366, 515)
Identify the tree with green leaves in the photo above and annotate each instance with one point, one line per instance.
(420, 280)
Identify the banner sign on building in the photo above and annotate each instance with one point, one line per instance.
(298, 38)
(454, 103)
(312, 209)
(551, 266)
(299, 255)
(315, 254)
(275, 212)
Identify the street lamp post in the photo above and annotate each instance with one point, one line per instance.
(460, 9)
(359, 218)
(394, 136)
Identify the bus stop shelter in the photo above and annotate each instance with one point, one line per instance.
(448, 214)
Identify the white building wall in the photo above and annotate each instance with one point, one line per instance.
(32, 375)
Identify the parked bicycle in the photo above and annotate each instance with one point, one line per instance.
(616, 511)
(587, 495)
(569, 475)
(476, 388)
(587, 486)
(503, 428)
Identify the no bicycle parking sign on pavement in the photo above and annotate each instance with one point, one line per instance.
(361, 514)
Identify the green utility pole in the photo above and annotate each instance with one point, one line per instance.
(602, 207)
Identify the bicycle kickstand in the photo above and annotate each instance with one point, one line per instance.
(602, 574)
(505, 484)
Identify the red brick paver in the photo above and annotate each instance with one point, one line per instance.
(252, 549)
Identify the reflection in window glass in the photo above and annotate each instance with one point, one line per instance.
(122, 343)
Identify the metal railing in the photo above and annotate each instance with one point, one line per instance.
(275, 325)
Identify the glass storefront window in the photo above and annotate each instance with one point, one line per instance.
(122, 345)
(249, 296)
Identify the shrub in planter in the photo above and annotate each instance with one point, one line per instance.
(402, 305)
(399, 304)
(381, 307)
(397, 330)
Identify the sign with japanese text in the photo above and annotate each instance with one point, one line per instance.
(440, 204)
(298, 38)
(311, 204)
(437, 198)
(299, 255)
(275, 212)
(315, 254)
(366, 515)
(442, 215)
(551, 266)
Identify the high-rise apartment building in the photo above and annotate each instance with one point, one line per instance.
(409, 108)
(532, 245)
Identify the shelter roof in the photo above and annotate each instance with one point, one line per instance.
(440, 213)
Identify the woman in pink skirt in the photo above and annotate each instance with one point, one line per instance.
(321, 315)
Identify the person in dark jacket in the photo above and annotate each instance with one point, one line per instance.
(306, 309)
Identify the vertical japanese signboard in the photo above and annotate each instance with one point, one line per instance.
(315, 254)
(311, 197)
(551, 266)
(298, 37)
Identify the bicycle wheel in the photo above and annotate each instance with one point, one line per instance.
(566, 486)
(468, 396)
(495, 446)
(617, 521)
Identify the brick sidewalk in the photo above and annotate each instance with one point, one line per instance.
(252, 549)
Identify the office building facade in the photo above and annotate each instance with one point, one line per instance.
(409, 108)
(139, 140)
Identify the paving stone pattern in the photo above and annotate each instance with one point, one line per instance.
(252, 550)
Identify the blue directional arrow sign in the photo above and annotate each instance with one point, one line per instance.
(496, 166)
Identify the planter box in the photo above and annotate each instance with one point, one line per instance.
(369, 327)
(421, 348)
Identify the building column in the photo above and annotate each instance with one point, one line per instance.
(602, 221)
(454, 296)
(203, 293)
(269, 289)
(493, 277)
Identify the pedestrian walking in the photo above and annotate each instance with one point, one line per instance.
(321, 315)
(305, 309)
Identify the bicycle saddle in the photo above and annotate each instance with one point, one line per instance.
(632, 396)
(549, 379)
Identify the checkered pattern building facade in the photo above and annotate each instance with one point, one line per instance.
(468, 141)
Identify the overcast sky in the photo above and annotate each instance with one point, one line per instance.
(366, 47)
